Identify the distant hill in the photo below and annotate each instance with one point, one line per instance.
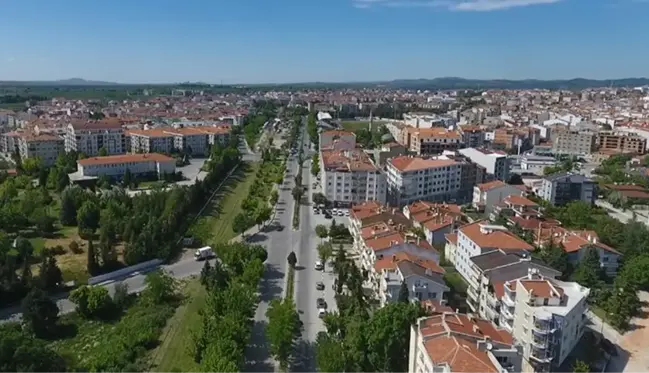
(420, 84)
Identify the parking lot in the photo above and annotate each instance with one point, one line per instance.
(192, 171)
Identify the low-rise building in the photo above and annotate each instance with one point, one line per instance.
(488, 195)
(496, 163)
(191, 140)
(414, 178)
(560, 189)
(88, 137)
(431, 141)
(577, 243)
(623, 142)
(461, 343)
(480, 237)
(472, 136)
(115, 166)
(44, 146)
(350, 176)
(536, 164)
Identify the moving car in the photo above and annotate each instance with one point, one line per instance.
(319, 266)
(204, 253)
(319, 285)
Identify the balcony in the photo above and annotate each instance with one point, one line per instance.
(540, 330)
(508, 301)
(539, 343)
(472, 293)
(541, 356)
(507, 313)
(419, 287)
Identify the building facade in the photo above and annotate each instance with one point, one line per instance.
(115, 166)
(44, 146)
(560, 189)
(89, 137)
(413, 178)
(350, 176)
(496, 163)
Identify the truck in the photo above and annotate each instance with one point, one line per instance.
(204, 253)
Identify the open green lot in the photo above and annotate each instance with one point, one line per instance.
(172, 354)
(355, 125)
(215, 225)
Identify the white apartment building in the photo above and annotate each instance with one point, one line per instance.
(479, 237)
(456, 343)
(350, 176)
(44, 146)
(427, 120)
(490, 272)
(547, 318)
(89, 136)
(9, 142)
(193, 140)
(413, 178)
(337, 140)
(496, 163)
(115, 166)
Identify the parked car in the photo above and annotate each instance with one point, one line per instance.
(322, 313)
(319, 285)
(319, 266)
(322, 304)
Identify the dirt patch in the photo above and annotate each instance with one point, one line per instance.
(635, 340)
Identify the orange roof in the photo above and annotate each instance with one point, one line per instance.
(374, 230)
(385, 241)
(390, 262)
(451, 237)
(491, 185)
(541, 288)
(408, 163)
(434, 306)
(362, 210)
(461, 355)
(573, 241)
(437, 132)
(496, 239)
(465, 325)
(519, 201)
(125, 158)
(347, 160)
(338, 133)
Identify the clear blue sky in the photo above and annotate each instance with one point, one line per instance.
(259, 41)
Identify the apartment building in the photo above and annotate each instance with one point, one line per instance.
(9, 142)
(496, 163)
(573, 142)
(427, 120)
(337, 140)
(453, 343)
(622, 142)
(42, 145)
(547, 318)
(435, 219)
(88, 137)
(192, 140)
(560, 189)
(508, 138)
(349, 176)
(490, 272)
(487, 196)
(516, 206)
(472, 136)
(431, 141)
(414, 178)
(536, 164)
(480, 237)
(115, 166)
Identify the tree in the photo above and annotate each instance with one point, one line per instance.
(321, 231)
(88, 217)
(161, 287)
(292, 259)
(40, 313)
(297, 193)
(103, 151)
(92, 265)
(315, 169)
(282, 329)
(330, 354)
(22, 352)
(404, 294)
(49, 275)
(62, 181)
(589, 272)
(91, 301)
(43, 221)
(325, 251)
(621, 306)
(319, 199)
(68, 214)
(580, 366)
(274, 197)
(262, 215)
(120, 295)
(241, 223)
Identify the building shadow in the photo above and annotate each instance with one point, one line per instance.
(304, 357)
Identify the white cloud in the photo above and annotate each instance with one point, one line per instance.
(453, 5)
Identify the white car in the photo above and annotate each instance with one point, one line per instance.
(322, 312)
(319, 266)
(346, 212)
(341, 213)
(334, 211)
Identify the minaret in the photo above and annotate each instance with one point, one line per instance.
(371, 120)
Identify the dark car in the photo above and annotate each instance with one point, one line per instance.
(319, 285)
(321, 303)
(327, 215)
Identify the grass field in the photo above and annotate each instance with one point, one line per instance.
(355, 125)
(172, 355)
(216, 223)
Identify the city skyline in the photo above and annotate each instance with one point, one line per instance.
(291, 41)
